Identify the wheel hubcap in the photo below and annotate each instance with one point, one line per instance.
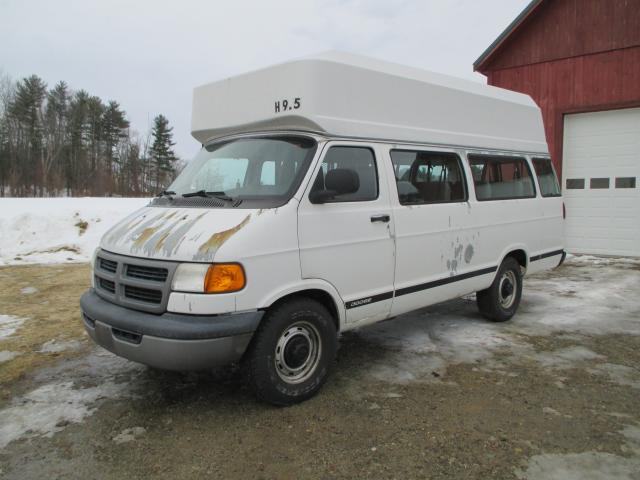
(298, 352)
(507, 289)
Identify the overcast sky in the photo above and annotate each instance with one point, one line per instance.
(149, 54)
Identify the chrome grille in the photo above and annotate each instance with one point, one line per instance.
(136, 283)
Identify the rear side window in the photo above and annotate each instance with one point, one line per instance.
(501, 178)
(359, 159)
(547, 178)
(428, 177)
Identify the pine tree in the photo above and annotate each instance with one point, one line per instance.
(114, 126)
(57, 141)
(26, 112)
(76, 167)
(162, 154)
(6, 98)
(61, 140)
(93, 134)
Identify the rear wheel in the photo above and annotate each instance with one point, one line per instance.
(500, 301)
(291, 353)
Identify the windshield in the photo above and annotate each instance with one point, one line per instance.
(260, 171)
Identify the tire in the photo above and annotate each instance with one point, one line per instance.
(292, 352)
(500, 301)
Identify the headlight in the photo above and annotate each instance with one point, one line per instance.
(206, 278)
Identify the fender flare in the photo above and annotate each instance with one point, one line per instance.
(303, 285)
(511, 248)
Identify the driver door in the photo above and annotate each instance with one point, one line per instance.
(348, 240)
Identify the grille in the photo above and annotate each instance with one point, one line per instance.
(108, 265)
(153, 274)
(107, 285)
(143, 294)
(137, 283)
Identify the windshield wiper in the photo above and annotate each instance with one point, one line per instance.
(205, 194)
(167, 193)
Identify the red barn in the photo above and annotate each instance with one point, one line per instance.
(580, 61)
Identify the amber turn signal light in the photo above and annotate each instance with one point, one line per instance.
(224, 278)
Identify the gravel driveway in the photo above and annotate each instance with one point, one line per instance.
(439, 393)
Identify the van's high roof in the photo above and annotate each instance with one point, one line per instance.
(347, 95)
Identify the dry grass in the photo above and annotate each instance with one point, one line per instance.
(51, 313)
(82, 226)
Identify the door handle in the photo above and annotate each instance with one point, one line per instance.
(380, 218)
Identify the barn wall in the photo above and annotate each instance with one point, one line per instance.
(585, 83)
(568, 28)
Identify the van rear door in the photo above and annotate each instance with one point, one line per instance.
(347, 241)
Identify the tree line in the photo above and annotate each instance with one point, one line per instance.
(56, 141)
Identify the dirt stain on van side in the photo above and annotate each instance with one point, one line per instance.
(468, 253)
(209, 248)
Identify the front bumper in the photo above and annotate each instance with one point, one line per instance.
(170, 341)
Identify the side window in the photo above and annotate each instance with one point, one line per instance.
(547, 178)
(428, 177)
(359, 159)
(501, 178)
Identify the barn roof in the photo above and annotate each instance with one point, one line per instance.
(352, 96)
(502, 38)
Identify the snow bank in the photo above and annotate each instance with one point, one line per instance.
(53, 230)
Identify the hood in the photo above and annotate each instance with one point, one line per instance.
(180, 234)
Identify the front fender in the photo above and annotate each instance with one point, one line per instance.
(302, 286)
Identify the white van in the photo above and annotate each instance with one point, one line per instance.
(330, 193)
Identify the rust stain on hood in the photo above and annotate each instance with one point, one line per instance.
(208, 248)
(145, 235)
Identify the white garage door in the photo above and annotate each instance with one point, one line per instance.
(601, 182)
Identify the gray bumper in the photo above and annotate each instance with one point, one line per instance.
(169, 341)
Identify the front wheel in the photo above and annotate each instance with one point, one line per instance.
(500, 301)
(291, 352)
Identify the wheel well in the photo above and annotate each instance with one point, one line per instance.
(520, 256)
(318, 295)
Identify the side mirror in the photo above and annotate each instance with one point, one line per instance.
(339, 181)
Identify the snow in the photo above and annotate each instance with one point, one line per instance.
(78, 388)
(129, 434)
(587, 465)
(50, 230)
(581, 466)
(565, 358)
(620, 374)
(9, 325)
(587, 297)
(6, 355)
(28, 290)
(47, 409)
(56, 346)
